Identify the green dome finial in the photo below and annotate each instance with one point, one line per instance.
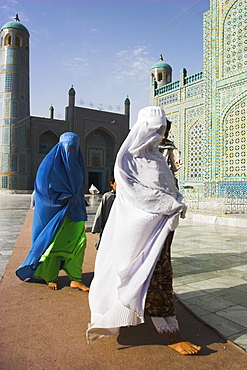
(71, 90)
(15, 24)
(162, 64)
(127, 101)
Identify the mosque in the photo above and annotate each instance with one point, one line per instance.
(207, 111)
(25, 139)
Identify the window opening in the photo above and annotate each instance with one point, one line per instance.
(43, 148)
(7, 40)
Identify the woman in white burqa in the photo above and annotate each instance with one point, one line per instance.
(134, 254)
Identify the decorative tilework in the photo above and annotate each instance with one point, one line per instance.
(195, 151)
(10, 55)
(6, 136)
(14, 87)
(171, 98)
(236, 141)
(5, 182)
(22, 164)
(194, 90)
(13, 182)
(174, 134)
(14, 135)
(15, 110)
(222, 189)
(211, 130)
(193, 113)
(23, 136)
(234, 54)
(5, 163)
(13, 162)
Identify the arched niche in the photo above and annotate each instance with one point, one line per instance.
(47, 141)
(99, 158)
(7, 40)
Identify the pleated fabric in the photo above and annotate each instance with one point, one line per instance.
(146, 208)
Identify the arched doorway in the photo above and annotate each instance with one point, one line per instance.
(100, 157)
(47, 141)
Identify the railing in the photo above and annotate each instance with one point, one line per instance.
(193, 78)
(168, 87)
(174, 85)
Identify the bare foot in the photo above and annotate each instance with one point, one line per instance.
(79, 285)
(52, 286)
(185, 348)
(176, 342)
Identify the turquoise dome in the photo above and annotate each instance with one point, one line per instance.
(161, 64)
(17, 25)
(127, 101)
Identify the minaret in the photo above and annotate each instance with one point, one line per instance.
(160, 75)
(70, 109)
(127, 107)
(14, 107)
(51, 110)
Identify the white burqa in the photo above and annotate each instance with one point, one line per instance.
(146, 208)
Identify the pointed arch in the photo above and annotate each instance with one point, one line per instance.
(7, 40)
(233, 56)
(18, 41)
(234, 134)
(160, 76)
(47, 140)
(100, 151)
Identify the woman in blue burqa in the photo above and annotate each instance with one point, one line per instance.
(58, 230)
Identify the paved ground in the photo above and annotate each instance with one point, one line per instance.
(209, 263)
(44, 329)
(13, 210)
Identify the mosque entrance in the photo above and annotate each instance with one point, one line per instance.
(99, 159)
(96, 178)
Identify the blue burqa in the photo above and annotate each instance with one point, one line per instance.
(59, 177)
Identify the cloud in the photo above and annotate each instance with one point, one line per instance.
(135, 64)
(80, 59)
(126, 73)
(140, 50)
(76, 66)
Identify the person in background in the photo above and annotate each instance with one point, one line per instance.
(58, 229)
(104, 210)
(170, 152)
(93, 190)
(134, 255)
(32, 205)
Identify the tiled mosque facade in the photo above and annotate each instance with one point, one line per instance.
(208, 110)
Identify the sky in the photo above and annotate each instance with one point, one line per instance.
(105, 49)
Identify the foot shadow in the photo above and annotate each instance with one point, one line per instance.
(64, 281)
(192, 329)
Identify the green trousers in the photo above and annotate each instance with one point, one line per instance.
(65, 252)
